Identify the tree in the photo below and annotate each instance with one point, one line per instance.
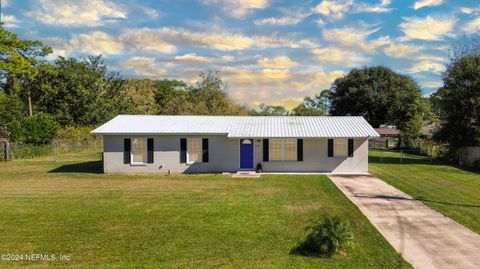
(37, 129)
(320, 102)
(383, 97)
(207, 97)
(19, 61)
(80, 92)
(267, 110)
(166, 91)
(141, 94)
(459, 103)
(304, 110)
(11, 109)
(316, 106)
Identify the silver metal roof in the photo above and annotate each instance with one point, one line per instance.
(241, 126)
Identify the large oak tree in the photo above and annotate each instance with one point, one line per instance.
(383, 97)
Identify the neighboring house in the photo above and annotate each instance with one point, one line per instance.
(211, 144)
(428, 129)
(388, 138)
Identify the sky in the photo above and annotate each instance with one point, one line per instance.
(267, 51)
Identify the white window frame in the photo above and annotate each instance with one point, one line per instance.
(132, 162)
(343, 141)
(188, 150)
(283, 142)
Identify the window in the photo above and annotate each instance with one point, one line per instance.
(194, 150)
(283, 149)
(139, 150)
(340, 148)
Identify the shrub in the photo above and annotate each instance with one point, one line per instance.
(73, 132)
(37, 129)
(325, 237)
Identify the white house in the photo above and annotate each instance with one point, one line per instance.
(210, 144)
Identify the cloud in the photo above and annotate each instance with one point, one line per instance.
(277, 62)
(426, 3)
(192, 57)
(428, 28)
(431, 83)
(382, 7)
(337, 9)
(166, 39)
(277, 87)
(138, 63)
(92, 43)
(77, 12)
(333, 9)
(238, 8)
(10, 21)
(399, 50)
(144, 67)
(472, 26)
(411, 51)
(279, 21)
(334, 55)
(148, 39)
(356, 38)
(469, 10)
(426, 66)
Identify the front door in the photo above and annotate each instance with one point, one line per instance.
(246, 153)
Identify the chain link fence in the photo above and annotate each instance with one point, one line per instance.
(384, 156)
(13, 151)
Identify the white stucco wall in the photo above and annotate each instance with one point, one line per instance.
(224, 156)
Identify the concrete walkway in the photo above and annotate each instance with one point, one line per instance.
(424, 237)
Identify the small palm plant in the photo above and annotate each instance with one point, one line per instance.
(326, 237)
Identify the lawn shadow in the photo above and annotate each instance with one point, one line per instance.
(392, 197)
(94, 167)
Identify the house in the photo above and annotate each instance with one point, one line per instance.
(388, 137)
(211, 144)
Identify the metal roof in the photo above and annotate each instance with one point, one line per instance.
(241, 126)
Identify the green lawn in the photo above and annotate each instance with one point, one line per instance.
(452, 191)
(64, 205)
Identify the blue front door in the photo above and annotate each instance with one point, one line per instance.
(246, 154)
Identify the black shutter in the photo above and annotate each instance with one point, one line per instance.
(126, 151)
(183, 150)
(350, 147)
(205, 150)
(265, 150)
(330, 147)
(300, 150)
(149, 150)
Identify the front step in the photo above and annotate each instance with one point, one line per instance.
(246, 174)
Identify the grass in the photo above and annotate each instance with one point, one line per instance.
(66, 206)
(453, 191)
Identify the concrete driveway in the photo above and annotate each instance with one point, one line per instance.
(424, 237)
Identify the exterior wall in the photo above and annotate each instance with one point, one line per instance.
(224, 156)
(315, 159)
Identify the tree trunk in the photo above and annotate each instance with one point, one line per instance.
(29, 98)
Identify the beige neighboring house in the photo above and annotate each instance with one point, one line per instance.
(215, 144)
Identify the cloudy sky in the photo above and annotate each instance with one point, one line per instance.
(271, 51)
